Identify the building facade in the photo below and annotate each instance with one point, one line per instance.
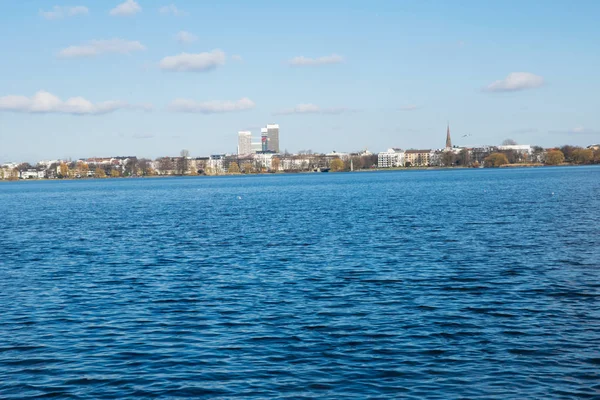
(417, 158)
(391, 158)
(264, 139)
(273, 138)
(244, 142)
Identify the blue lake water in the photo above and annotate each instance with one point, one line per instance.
(425, 284)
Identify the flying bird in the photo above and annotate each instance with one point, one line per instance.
(466, 135)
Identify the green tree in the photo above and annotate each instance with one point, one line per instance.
(99, 173)
(64, 170)
(247, 167)
(555, 157)
(234, 168)
(495, 160)
(336, 165)
(568, 151)
(582, 156)
(14, 174)
(275, 164)
(82, 169)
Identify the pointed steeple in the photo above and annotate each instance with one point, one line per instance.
(448, 140)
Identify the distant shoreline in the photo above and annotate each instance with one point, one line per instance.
(396, 169)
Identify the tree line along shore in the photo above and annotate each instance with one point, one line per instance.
(184, 165)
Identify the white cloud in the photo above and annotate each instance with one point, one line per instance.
(516, 81)
(129, 7)
(97, 47)
(143, 136)
(409, 107)
(200, 62)
(186, 37)
(58, 12)
(45, 102)
(173, 10)
(525, 130)
(309, 108)
(304, 61)
(211, 107)
(578, 130)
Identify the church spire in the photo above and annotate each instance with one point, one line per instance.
(448, 140)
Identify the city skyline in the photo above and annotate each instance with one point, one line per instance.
(111, 77)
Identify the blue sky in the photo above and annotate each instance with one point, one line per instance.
(336, 75)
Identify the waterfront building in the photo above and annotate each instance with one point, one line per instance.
(435, 157)
(216, 163)
(335, 154)
(479, 153)
(32, 174)
(391, 158)
(273, 138)
(244, 142)
(296, 162)
(417, 158)
(263, 160)
(519, 148)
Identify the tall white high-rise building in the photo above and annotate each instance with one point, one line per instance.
(244, 143)
(273, 137)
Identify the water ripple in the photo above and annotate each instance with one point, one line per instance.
(462, 284)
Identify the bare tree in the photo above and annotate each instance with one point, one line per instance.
(131, 166)
(508, 142)
(448, 158)
(464, 158)
(165, 165)
(144, 166)
(182, 162)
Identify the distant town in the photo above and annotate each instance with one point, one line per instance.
(263, 155)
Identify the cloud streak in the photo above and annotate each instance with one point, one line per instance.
(309, 108)
(306, 61)
(184, 37)
(143, 136)
(172, 9)
(186, 62)
(45, 102)
(98, 47)
(128, 8)
(516, 81)
(409, 107)
(59, 12)
(578, 130)
(211, 107)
